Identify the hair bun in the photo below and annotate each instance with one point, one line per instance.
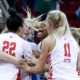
(12, 12)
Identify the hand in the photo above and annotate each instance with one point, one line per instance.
(19, 62)
(24, 66)
(32, 60)
(46, 74)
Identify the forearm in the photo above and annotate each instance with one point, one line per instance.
(46, 66)
(35, 62)
(36, 69)
(7, 57)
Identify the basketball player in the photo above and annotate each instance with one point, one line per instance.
(59, 48)
(12, 44)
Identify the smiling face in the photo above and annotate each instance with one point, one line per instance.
(26, 32)
(43, 30)
(28, 29)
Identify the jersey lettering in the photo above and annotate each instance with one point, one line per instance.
(67, 53)
(9, 47)
(67, 50)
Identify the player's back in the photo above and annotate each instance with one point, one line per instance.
(13, 45)
(63, 59)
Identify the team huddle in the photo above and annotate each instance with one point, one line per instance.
(58, 53)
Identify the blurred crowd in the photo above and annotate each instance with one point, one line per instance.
(70, 7)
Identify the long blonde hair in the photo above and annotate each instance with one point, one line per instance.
(59, 21)
(33, 21)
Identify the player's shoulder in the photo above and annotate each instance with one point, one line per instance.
(49, 40)
(2, 34)
(72, 39)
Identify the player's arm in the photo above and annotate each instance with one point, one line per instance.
(9, 58)
(34, 60)
(42, 59)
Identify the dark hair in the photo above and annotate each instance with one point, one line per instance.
(79, 42)
(14, 21)
(2, 24)
(2, 21)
